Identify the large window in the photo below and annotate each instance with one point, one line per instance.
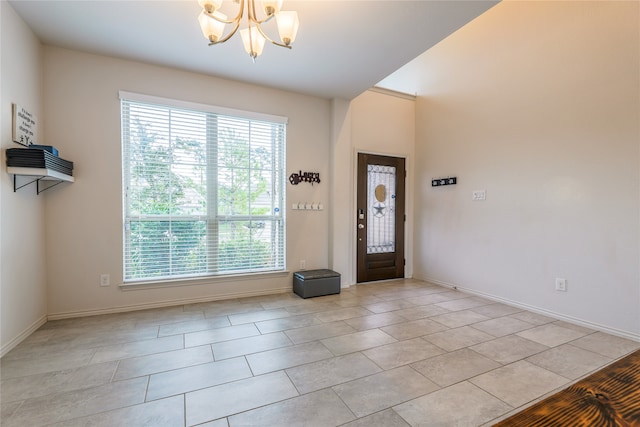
(203, 190)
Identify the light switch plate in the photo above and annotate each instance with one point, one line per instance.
(479, 195)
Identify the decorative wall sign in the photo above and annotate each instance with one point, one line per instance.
(312, 177)
(24, 130)
(437, 182)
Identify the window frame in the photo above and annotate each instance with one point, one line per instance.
(276, 216)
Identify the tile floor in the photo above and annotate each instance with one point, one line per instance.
(400, 353)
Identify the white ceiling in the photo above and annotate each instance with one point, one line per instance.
(342, 49)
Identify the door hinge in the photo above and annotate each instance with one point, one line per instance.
(404, 262)
(405, 217)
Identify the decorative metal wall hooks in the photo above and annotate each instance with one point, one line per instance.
(437, 182)
(297, 178)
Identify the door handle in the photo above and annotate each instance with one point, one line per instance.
(360, 226)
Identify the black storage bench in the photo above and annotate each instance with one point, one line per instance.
(315, 283)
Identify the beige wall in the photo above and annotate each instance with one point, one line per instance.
(546, 120)
(82, 111)
(377, 123)
(23, 290)
(84, 219)
(341, 236)
(385, 124)
(76, 229)
(538, 103)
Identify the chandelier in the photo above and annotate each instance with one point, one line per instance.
(213, 22)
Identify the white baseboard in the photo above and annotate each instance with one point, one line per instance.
(544, 312)
(168, 303)
(22, 336)
(348, 285)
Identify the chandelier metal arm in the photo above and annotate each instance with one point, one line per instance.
(228, 36)
(258, 23)
(235, 21)
(225, 21)
(259, 27)
(253, 16)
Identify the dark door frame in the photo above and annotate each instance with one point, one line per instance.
(372, 267)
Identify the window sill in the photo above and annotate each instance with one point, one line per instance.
(204, 280)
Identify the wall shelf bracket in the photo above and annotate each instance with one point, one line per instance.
(39, 176)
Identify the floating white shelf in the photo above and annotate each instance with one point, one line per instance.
(46, 174)
(41, 174)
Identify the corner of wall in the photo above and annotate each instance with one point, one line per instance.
(340, 246)
(23, 273)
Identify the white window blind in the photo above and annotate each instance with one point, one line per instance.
(203, 190)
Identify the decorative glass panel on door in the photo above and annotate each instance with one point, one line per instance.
(381, 207)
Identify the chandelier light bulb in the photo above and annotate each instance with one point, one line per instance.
(212, 29)
(288, 24)
(271, 7)
(253, 41)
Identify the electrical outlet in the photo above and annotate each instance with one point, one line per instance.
(105, 280)
(303, 264)
(561, 284)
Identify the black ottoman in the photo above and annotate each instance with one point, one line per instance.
(315, 283)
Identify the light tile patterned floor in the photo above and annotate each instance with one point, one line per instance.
(399, 353)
